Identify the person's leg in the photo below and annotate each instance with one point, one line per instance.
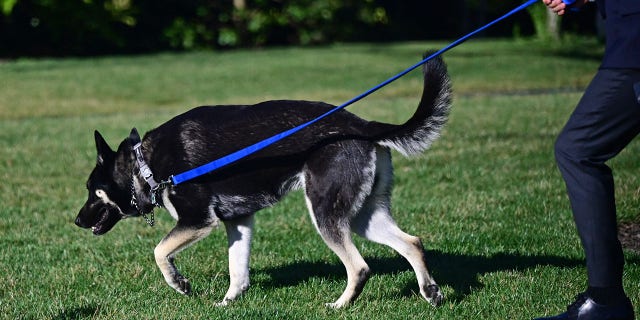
(606, 119)
(604, 122)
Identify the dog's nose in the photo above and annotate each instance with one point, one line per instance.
(79, 222)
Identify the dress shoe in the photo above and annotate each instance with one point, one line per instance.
(584, 308)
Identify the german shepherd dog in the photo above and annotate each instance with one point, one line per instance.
(342, 163)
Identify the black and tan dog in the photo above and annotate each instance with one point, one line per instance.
(342, 163)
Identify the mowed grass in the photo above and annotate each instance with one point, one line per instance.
(486, 199)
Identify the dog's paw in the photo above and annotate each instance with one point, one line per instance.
(434, 295)
(182, 285)
(336, 305)
(225, 302)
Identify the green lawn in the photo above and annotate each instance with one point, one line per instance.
(487, 199)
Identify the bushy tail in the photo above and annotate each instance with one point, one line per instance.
(417, 134)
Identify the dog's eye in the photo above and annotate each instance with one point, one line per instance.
(101, 194)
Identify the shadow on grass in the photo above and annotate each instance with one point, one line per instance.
(458, 271)
(85, 312)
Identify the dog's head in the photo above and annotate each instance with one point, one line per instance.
(109, 191)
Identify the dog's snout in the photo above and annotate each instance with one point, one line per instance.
(79, 222)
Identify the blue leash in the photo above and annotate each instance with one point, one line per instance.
(216, 164)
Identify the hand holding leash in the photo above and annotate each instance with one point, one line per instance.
(560, 6)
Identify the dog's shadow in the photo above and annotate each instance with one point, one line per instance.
(460, 272)
(84, 312)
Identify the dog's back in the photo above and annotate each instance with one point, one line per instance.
(211, 132)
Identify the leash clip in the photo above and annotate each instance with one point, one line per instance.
(155, 192)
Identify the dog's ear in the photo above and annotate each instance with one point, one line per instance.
(103, 149)
(134, 136)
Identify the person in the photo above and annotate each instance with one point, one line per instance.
(605, 121)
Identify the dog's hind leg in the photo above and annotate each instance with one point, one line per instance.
(239, 234)
(375, 223)
(178, 239)
(336, 182)
(338, 239)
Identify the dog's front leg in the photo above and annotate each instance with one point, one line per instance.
(178, 239)
(239, 233)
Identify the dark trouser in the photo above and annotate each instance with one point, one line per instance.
(604, 122)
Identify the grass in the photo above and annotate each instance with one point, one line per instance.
(486, 199)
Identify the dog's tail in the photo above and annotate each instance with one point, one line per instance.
(424, 127)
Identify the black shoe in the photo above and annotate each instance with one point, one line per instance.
(584, 308)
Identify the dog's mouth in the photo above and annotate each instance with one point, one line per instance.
(98, 228)
(107, 217)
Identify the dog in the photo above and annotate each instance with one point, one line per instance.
(342, 163)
